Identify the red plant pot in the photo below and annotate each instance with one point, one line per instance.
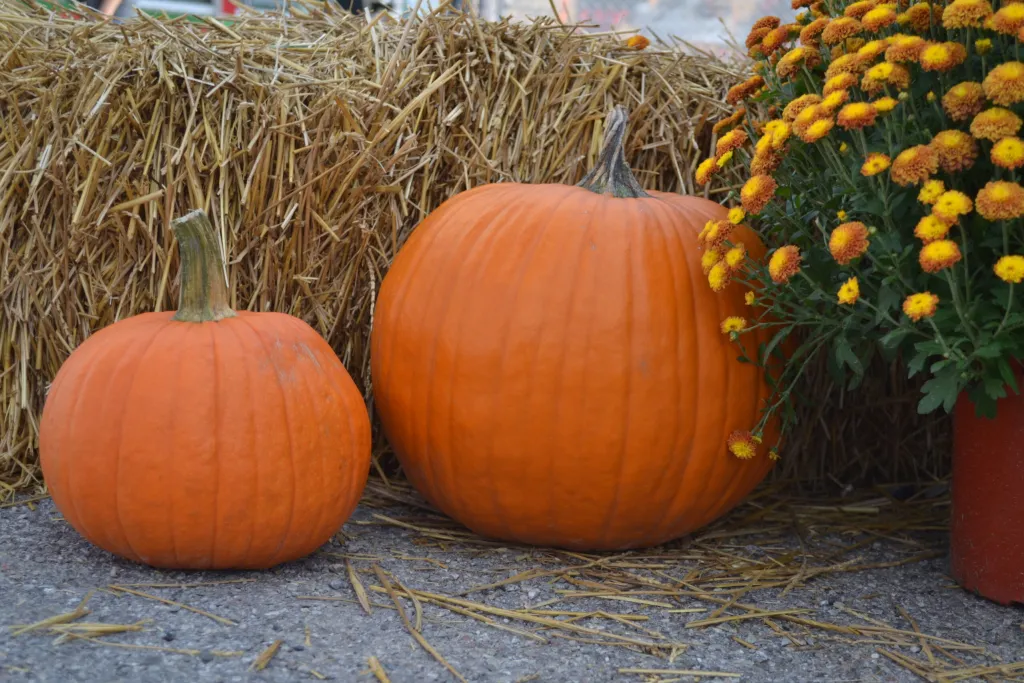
(987, 535)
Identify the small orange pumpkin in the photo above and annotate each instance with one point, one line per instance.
(205, 438)
(548, 363)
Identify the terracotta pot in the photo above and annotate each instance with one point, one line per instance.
(987, 535)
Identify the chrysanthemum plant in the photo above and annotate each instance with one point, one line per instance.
(880, 142)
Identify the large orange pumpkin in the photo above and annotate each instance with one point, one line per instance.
(548, 364)
(205, 438)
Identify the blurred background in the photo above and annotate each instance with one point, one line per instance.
(705, 23)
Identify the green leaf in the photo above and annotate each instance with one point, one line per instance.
(845, 355)
(1008, 375)
(990, 351)
(941, 390)
(779, 336)
(892, 340)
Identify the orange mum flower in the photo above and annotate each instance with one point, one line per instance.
(757, 192)
(879, 75)
(765, 163)
(939, 255)
(817, 130)
(1009, 20)
(753, 41)
(857, 115)
(859, 9)
(734, 139)
(742, 444)
(964, 100)
(841, 82)
(848, 242)
(919, 17)
(914, 165)
(794, 108)
(918, 306)
(930, 229)
(884, 105)
(784, 264)
(951, 205)
(870, 50)
(1000, 201)
(905, 49)
(879, 18)
(808, 116)
(638, 42)
(1008, 153)
(942, 56)
(1004, 84)
(995, 124)
(729, 121)
(795, 58)
(810, 34)
(744, 90)
(717, 233)
(768, 22)
(775, 39)
(956, 150)
(966, 13)
(840, 29)
(845, 64)
(875, 163)
(834, 100)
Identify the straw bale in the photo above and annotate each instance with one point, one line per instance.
(316, 142)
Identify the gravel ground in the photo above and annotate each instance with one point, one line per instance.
(46, 569)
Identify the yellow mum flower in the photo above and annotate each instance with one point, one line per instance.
(843, 81)
(638, 42)
(942, 56)
(951, 205)
(1009, 20)
(966, 13)
(792, 61)
(1008, 153)
(817, 130)
(848, 242)
(809, 34)
(736, 215)
(918, 306)
(849, 63)
(931, 191)
(784, 264)
(879, 18)
(1004, 84)
(983, 46)
(995, 124)
(729, 121)
(870, 50)
(1010, 269)
(742, 445)
(733, 323)
(719, 276)
(773, 455)
(734, 139)
(860, 8)
(777, 132)
(878, 76)
(749, 298)
(757, 192)
(930, 229)
(735, 256)
(718, 233)
(706, 170)
(939, 255)
(849, 292)
(709, 258)
(843, 148)
(884, 105)
(794, 108)
(841, 215)
(857, 115)
(875, 163)
(904, 49)
(724, 159)
(1000, 201)
(835, 99)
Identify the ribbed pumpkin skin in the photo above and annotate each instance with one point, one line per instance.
(548, 366)
(237, 444)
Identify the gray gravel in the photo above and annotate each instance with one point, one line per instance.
(46, 569)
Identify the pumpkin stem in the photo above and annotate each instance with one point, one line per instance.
(204, 286)
(612, 174)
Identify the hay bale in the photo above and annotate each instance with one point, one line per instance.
(315, 143)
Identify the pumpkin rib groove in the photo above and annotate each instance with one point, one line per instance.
(147, 345)
(282, 544)
(216, 441)
(251, 432)
(480, 235)
(585, 237)
(631, 324)
(524, 269)
(664, 231)
(428, 480)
